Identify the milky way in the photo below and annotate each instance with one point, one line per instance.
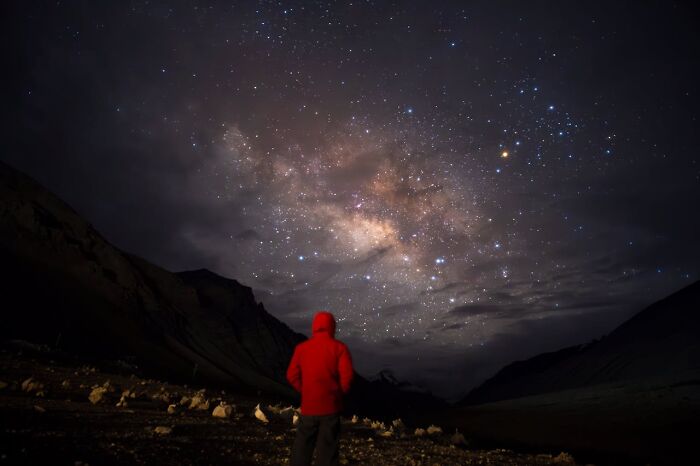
(461, 185)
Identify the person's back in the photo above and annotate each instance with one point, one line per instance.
(321, 370)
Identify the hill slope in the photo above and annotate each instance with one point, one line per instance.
(662, 341)
(64, 285)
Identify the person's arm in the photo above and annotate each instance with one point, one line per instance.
(294, 371)
(345, 369)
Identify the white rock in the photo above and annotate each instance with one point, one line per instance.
(378, 425)
(434, 430)
(295, 419)
(259, 415)
(222, 411)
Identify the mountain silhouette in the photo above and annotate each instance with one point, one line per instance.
(65, 286)
(660, 342)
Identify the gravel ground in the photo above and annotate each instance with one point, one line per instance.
(47, 417)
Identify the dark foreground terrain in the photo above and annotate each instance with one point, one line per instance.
(649, 422)
(50, 420)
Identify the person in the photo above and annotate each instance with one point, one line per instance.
(321, 370)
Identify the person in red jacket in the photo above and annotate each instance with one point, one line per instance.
(321, 370)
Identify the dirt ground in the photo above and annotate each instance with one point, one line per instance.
(47, 418)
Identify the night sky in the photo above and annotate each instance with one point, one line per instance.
(461, 184)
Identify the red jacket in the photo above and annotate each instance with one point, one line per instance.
(321, 369)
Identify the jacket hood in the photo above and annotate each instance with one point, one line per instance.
(324, 322)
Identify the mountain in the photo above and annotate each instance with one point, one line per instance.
(64, 285)
(660, 342)
(388, 378)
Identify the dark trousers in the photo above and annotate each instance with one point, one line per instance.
(321, 432)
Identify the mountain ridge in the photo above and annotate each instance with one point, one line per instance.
(64, 285)
(659, 341)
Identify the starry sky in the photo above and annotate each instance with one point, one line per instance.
(463, 184)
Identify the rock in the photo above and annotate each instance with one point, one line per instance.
(355, 419)
(222, 411)
(288, 412)
(122, 402)
(31, 385)
(39, 409)
(563, 458)
(434, 430)
(199, 402)
(162, 396)
(398, 424)
(276, 409)
(97, 394)
(419, 432)
(259, 415)
(458, 439)
(295, 419)
(378, 425)
(163, 430)
(107, 385)
(172, 409)
(185, 400)
(65, 384)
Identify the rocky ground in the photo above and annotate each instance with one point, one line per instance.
(61, 412)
